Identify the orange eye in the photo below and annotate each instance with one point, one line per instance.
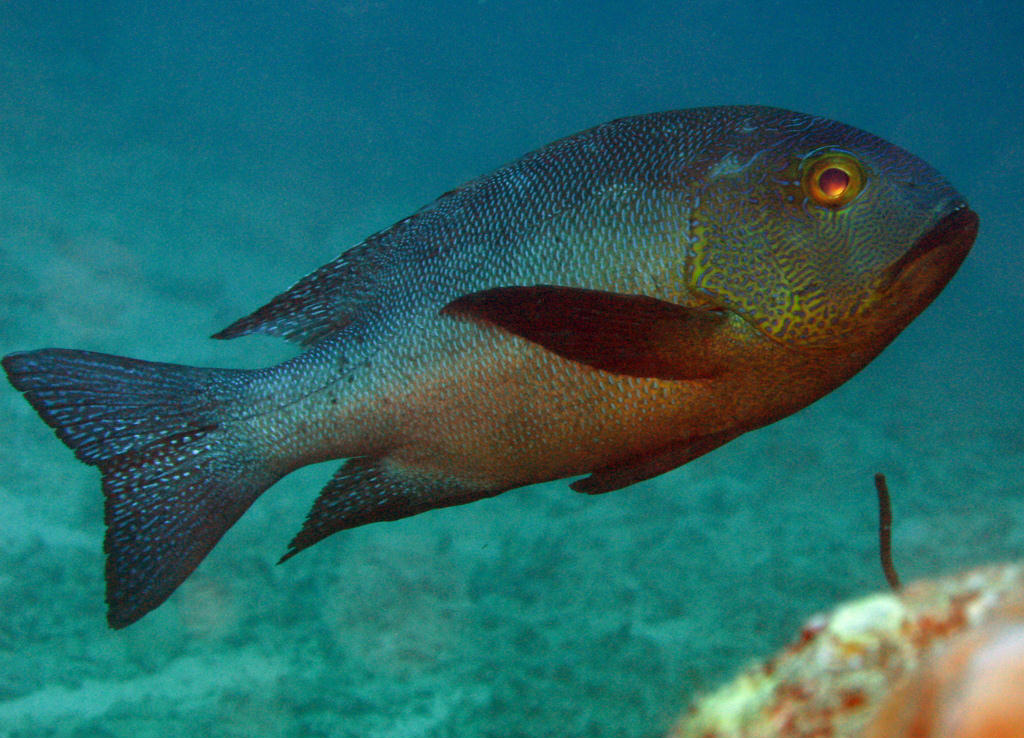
(833, 179)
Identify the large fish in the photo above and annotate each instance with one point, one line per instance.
(614, 304)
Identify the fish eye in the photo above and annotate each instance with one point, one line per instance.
(832, 179)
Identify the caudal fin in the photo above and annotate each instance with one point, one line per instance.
(175, 476)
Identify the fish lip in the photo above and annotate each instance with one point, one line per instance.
(954, 234)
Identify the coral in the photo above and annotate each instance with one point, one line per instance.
(942, 659)
(973, 688)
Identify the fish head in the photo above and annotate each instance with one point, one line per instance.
(819, 235)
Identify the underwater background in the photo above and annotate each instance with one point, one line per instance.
(165, 170)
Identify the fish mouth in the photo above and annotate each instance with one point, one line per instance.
(942, 248)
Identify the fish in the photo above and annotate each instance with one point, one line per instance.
(609, 307)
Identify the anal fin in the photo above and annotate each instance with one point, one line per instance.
(370, 490)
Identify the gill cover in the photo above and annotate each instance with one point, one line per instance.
(797, 238)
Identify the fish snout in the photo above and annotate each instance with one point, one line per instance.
(936, 255)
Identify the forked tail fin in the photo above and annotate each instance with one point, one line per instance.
(175, 475)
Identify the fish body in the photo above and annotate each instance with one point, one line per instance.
(613, 305)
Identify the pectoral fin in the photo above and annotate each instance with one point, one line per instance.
(634, 335)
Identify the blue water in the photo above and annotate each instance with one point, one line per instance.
(165, 170)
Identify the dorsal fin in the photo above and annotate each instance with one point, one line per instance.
(328, 298)
(325, 299)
